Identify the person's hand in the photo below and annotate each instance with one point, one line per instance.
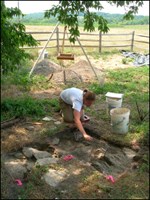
(87, 137)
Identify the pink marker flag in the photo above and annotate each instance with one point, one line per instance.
(18, 181)
(68, 157)
(111, 178)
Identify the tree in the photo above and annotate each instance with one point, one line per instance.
(67, 13)
(13, 37)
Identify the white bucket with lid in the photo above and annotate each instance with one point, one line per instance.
(120, 120)
(113, 100)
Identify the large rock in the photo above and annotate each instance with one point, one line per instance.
(129, 153)
(46, 161)
(54, 177)
(29, 152)
(15, 167)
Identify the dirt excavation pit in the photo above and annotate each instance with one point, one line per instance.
(63, 150)
(104, 157)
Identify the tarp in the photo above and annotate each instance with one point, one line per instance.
(139, 59)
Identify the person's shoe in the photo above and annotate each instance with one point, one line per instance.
(85, 118)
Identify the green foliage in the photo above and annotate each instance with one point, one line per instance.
(67, 12)
(27, 106)
(13, 37)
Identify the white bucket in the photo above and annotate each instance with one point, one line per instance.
(120, 120)
(113, 103)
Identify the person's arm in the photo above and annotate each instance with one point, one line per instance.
(79, 125)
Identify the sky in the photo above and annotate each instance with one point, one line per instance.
(40, 6)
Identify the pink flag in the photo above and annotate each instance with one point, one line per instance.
(111, 178)
(68, 157)
(18, 181)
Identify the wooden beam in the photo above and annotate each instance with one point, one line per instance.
(65, 56)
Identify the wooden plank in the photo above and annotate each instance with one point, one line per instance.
(43, 40)
(141, 41)
(65, 54)
(143, 36)
(39, 32)
(65, 57)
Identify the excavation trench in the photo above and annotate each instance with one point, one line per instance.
(98, 154)
(103, 156)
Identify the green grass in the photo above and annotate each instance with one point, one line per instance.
(24, 82)
(134, 84)
(125, 81)
(27, 106)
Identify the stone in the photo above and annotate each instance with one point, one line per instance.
(59, 153)
(30, 165)
(19, 155)
(129, 153)
(55, 141)
(137, 158)
(103, 167)
(30, 128)
(29, 152)
(54, 177)
(87, 164)
(41, 154)
(57, 122)
(46, 161)
(15, 167)
(98, 153)
(48, 119)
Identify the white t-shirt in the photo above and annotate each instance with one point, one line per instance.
(74, 97)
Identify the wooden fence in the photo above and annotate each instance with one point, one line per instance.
(94, 40)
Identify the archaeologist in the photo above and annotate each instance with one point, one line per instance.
(72, 102)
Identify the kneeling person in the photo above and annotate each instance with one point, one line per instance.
(72, 102)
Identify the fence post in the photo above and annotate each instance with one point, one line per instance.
(57, 36)
(132, 41)
(100, 42)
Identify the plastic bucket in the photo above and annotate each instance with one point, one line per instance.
(120, 120)
(113, 103)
